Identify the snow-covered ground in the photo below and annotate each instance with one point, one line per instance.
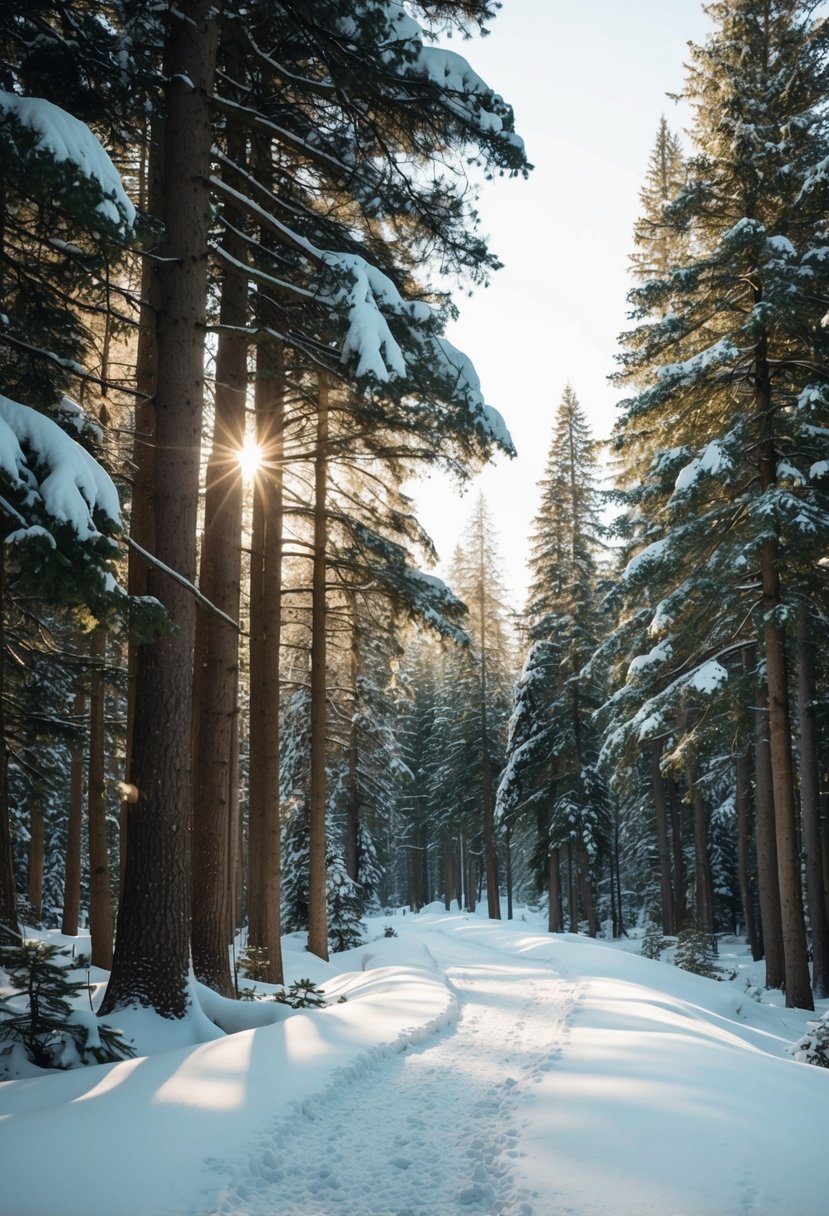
(474, 1067)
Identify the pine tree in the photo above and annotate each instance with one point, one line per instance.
(553, 747)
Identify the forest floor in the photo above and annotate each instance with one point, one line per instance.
(475, 1067)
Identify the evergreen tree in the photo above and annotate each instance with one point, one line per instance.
(553, 747)
(731, 379)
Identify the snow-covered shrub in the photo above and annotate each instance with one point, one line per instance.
(389, 931)
(695, 952)
(653, 943)
(345, 925)
(37, 1015)
(254, 963)
(813, 1047)
(302, 994)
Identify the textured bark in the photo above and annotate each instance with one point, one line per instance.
(680, 884)
(352, 811)
(508, 850)
(585, 891)
(702, 865)
(34, 875)
(795, 961)
(745, 869)
(264, 879)
(810, 804)
(216, 671)
(72, 860)
(663, 848)
(555, 921)
(767, 879)
(152, 952)
(9, 925)
(100, 890)
(572, 888)
(317, 909)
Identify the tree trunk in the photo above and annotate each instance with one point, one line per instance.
(810, 804)
(555, 920)
(767, 880)
(72, 861)
(100, 889)
(152, 951)
(317, 909)
(264, 830)
(680, 885)
(660, 810)
(448, 870)
(745, 868)
(702, 863)
(9, 924)
(352, 813)
(572, 888)
(36, 860)
(508, 848)
(216, 667)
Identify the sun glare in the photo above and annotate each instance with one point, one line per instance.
(250, 458)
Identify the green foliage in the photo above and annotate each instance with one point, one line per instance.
(254, 963)
(302, 994)
(38, 1015)
(695, 952)
(653, 943)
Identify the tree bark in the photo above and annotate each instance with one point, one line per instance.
(36, 860)
(767, 878)
(745, 869)
(264, 827)
(100, 889)
(810, 803)
(9, 924)
(152, 954)
(680, 907)
(795, 962)
(660, 810)
(317, 909)
(72, 860)
(216, 668)
(586, 892)
(555, 920)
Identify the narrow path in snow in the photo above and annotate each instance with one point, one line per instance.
(434, 1130)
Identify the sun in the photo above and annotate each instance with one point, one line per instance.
(250, 458)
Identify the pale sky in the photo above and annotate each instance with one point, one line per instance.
(588, 81)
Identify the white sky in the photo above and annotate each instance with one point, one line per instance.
(588, 82)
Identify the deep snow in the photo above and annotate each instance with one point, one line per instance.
(475, 1067)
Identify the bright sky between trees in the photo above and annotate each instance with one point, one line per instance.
(588, 82)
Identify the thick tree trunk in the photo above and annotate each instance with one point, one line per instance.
(586, 892)
(216, 668)
(72, 860)
(680, 884)
(9, 924)
(508, 850)
(702, 863)
(36, 858)
(663, 848)
(352, 813)
(810, 804)
(745, 868)
(555, 919)
(572, 888)
(152, 952)
(768, 884)
(317, 909)
(100, 889)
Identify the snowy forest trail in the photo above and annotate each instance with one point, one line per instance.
(434, 1130)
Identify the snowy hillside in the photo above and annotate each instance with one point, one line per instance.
(474, 1067)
